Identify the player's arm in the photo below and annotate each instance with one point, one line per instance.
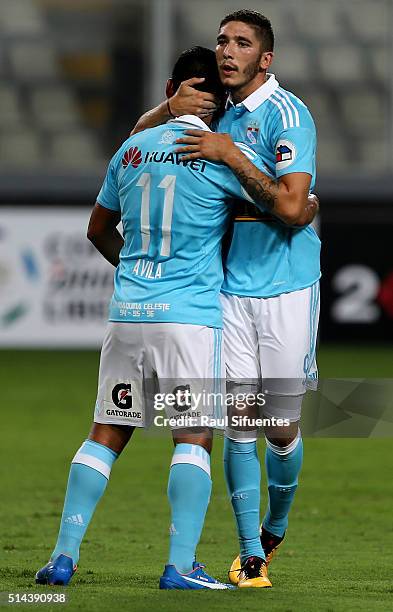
(287, 198)
(102, 232)
(186, 101)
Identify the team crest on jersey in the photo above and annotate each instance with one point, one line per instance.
(133, 156)
(168, 137)
(285, 154)
(252, 134)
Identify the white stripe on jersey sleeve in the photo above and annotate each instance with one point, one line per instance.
(286, 106)
(285, 95)
(282, 100)
(282, 111)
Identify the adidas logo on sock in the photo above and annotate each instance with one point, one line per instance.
(172, 530)
(75, 519)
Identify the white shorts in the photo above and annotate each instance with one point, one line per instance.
(271, 342)
(149, 371)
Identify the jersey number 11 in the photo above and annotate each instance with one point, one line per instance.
(168, 184)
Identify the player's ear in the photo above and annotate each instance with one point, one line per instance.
(266, 60)
(170, 90)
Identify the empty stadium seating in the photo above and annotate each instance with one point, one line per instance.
(57, 76)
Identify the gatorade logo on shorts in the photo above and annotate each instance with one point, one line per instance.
(121, 395)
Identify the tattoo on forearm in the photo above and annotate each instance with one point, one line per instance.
(262, 191)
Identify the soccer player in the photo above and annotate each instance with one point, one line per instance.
(270, 292)
(164, 324)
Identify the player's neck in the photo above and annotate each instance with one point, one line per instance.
(238, 95)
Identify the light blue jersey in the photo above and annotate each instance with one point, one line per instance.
(267, 258)
(174, 215)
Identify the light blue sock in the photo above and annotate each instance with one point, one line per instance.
(282, 474)
(189, 489)
(243, 477)
(89, 474)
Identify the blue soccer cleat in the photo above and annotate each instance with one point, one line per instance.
(59, 571)
(197, 579)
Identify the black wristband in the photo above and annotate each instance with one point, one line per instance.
(169, 109)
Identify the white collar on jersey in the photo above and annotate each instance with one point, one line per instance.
(259, 95)
(193, 120)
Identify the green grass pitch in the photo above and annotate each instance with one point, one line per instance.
(338, 554)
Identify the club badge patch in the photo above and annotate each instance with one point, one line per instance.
(252, 134)
(168, 137)
(285, 154)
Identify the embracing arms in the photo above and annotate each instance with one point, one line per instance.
(287, 198)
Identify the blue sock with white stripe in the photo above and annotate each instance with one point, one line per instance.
(189, 489)
(283, 466)
(243, 478)
(89, 474)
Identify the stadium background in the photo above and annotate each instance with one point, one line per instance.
(74, 77)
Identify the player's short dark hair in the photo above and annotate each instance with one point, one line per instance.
(260, 23)
(198, 62)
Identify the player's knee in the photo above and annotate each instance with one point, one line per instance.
(114, 437)
(282, 436)
(199, 436)
(283, 414)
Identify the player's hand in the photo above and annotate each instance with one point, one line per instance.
(310, 211)
(312, 207)
(190, 101)
(205, 145)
